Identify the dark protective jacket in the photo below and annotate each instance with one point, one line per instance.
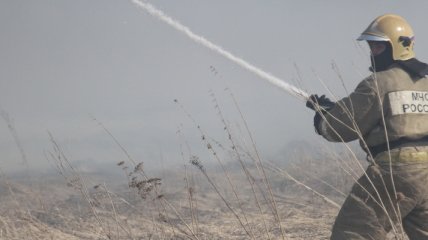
(400, 97)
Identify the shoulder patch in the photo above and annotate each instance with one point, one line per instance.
(408, 102)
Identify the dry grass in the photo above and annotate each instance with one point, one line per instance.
(181, 208)
(121, 213)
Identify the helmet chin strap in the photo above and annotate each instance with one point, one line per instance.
(382, 61)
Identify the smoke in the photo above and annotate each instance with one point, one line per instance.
(204, 42)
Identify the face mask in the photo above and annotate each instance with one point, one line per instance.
(382, 61)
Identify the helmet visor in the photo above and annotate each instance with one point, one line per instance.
(368, 37)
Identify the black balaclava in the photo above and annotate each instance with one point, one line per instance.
(382, 61)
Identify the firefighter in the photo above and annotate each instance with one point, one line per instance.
(388, 114)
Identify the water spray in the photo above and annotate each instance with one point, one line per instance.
(152, 10)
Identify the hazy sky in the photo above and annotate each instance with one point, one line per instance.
(64, 62)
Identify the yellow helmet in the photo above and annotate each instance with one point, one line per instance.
(395, 30)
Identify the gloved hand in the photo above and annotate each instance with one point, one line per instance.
(324, 102)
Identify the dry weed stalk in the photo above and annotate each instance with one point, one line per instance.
(14, 133)
(260, 166)
(21, 211)
(75, 180)
(190, 187)
(193, 204)
(286, 174)
(146, 185)
(194, 160)
(247, 173)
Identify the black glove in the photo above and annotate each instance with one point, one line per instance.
(317, 121)
(324, 102)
